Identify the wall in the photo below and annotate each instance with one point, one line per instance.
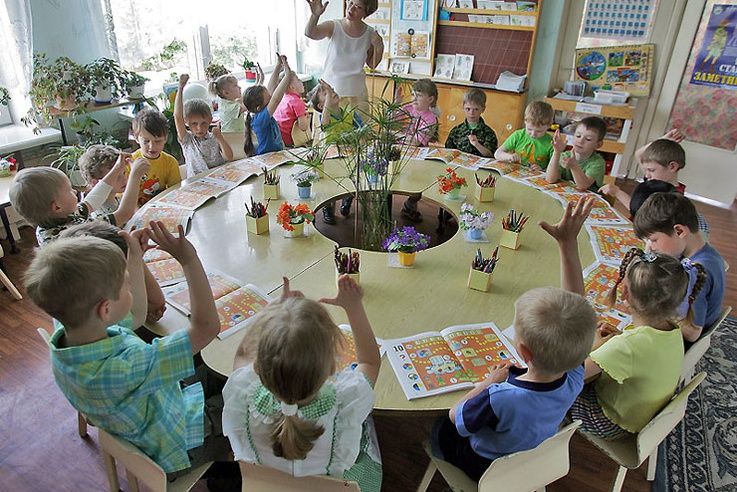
(550, 34)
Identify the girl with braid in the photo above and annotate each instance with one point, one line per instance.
(636, 371)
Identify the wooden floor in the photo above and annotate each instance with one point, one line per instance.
(40, 449)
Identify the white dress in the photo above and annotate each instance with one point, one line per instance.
(345, 60)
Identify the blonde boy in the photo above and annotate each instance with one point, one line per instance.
(583, 164)
(531, 145)
(473, 136)
(151, 130)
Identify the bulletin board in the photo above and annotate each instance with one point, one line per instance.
(412, 36)
(620, 68)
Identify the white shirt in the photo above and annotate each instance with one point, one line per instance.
(345, 60)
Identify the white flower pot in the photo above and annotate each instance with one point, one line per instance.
(136, 92)
(103, 94)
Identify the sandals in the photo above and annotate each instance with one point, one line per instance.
(412, 215)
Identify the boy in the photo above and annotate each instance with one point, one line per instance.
(120, 383)
(583, 164)
(516, 409)
(531, 145)
(95, 163)
(151, 131)
(473, 136)
(644, 190)
(44, 197)
(669, 224)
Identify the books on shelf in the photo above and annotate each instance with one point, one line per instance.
(453, 359)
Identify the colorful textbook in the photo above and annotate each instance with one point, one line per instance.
(450, 360)
(165, 269)
(454, 157)
(171, 216)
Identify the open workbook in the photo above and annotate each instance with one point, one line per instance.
(450, 360)
(455, 157)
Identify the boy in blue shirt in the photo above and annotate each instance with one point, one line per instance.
(516, 409)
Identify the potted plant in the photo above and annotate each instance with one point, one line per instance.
(406, 241)
(67, 160)
(474, 222)
(257, 220)
(62, 84)
(304, 180)
(482, 269)
(107, 79)
(450, 184)
(347, 264)
(8, 164)
(250, 69)
(215, 70)
(485, 188)
(134, 84)
(292, 218)
(271, 184)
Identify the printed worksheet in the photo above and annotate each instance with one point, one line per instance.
(611, 243)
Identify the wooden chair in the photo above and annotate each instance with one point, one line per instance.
(694, 354)
(139, 467)
(524, 471)
(257, 478)
(5, 280)
(630, 452)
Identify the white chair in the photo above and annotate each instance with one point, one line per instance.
(694, 354)
(257, 478)
(141, 468)
(524, 471)
(6, 281)
(631, 451)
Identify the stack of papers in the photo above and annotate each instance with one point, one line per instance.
(510, 82)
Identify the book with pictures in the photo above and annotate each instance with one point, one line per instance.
(444, 66)
(165, 269)
(347, 356)
(611, 242)
(463, 67)
(456, 158)
(601, 213)
(276, 159)
(411, 45)
(453, 359)
(185, 199)
(236, 172)
(170, 216)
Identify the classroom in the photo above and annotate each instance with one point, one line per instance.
(370, 245)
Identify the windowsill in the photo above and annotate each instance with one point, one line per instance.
(19, 137)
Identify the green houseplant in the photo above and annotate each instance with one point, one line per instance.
(215, 70)
(134, 84)
(107, 79)
(62, 84)
(250, 68)
(67, 160)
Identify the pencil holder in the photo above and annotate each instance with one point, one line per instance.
(484, 194)
(257, 226)
(271, 191)
(478, 280)
(354, 276)
(509, 239)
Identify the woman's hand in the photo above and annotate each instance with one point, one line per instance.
(317, 7)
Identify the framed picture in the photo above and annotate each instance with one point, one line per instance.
(399, 67)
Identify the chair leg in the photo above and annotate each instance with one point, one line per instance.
(652, 464)
(112, 472)
(9, 285)
(619, 479)
(132, 481)
(81, 425)
(427, 477)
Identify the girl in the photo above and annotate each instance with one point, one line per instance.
(289, 406)
(230, 106)
(261, 103)
(291, 115)
(422, 119)
(637, 370)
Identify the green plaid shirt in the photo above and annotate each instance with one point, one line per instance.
(131, 389)
(458, 137)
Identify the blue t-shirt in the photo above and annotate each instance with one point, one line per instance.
(708, 303)
(267, 132)
(517, 415)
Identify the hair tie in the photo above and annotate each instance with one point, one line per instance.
(648, 257)
(289, 410)
(687, 265)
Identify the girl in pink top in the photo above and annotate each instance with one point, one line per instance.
(422, 119)
(292, 110)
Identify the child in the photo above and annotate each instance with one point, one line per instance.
(156, 303)
(202, 148)
(668, 223)
(287, 403)
(422, 122)
(329, 120)
(151, 130)
(95, 163)
(291, 113)
(516, 409)
(643, 191)
(583, 164)
(637, 370)
(44, 197)
(230, 106)
(531, 145)
(473, 136)
(121, 384)
(261, 103)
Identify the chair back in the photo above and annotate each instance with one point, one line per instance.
(532, 469)
(138, 465)
(696, 351)
(258, 478)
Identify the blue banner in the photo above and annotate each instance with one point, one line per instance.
(716, 63)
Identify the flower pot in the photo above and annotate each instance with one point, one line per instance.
(484, 194)
(136, 92)
(453, 194)
(509, 239)
(251, 74)
(478, 280)
(299, 230)
(103, 94)
(372, 179)
(407, 259)
(304, 192)
(354, 276)
(257, 225)
(271, 191)
(475, 234)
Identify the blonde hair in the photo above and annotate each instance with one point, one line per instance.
(34, 189)
(475, 96)
(539, 113)
(297, 351)
(217, 85)
(197, 107)
(70, 276)
(97, 161)
(557, 326)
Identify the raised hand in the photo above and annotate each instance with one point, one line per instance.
(140, 167)
(474, 140)
(569, 162)
(317, 7)
(183, 79)
(559, 141)
(568, 227)
(179, 247)
(260, 74)
(675, 135)
(286, 292)
(216, 132)
(137, 242)
(609, 189)
(350, 294)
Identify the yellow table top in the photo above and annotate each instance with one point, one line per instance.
(400, 302)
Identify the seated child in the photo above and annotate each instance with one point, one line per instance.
(203, 149)
(120, 383)
(291, 113)
(516, 409)
(261, 103)
(230, 106)
(329, 120)
(473, 136)
(583, 164)
(668, 223)
(151, 130)
(636, 370)
(95, 163)
(422, 121)
(531, 145)
(289, 406)
(45, 198)
(156, 303)
(643, 191)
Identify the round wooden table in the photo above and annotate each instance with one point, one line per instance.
(399, 302)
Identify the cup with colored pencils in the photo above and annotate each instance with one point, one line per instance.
(512, 225)
(271, 184)
(482, 269)
(257, 220)
(347, 264)
(485, 188)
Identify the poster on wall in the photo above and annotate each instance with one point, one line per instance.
(716, 62)
(624, 20)
(621, 68)
(414, 10)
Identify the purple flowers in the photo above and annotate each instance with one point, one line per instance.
(406, 239)
(375, 165)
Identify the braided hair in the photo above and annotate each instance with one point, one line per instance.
(253, 101)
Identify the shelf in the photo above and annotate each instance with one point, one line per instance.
(625, 111)
(479, 25)
(489, 12)
(377, 21)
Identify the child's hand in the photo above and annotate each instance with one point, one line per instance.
(216, 132)
(567, 229)
(139, 168)
(675, 135)
(179, 247)
(514, 157)
(559, 141)
(183, 79)
(569, 162)
(474, 140)
(535, 168)
(137, 242)
(604, 333)
(286, 292)
(260, 74)
(610, 189)
(317, 7)
(350, 294)
(155, 312)
(497, 374)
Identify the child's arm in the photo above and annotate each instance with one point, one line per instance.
(565, 232)
(604, 333)
(313, 30)
(583, 181)
(129, 202)
(101, 191)
(497, 374)
(350, 298)
(179, 108)
(156, 303)
(137, 241)
(673, 134)
(615, 191)
(375, 51)
(224, 145)
(204, 321)
(274, 79)
(281, 89)
(552, 174)
(474, 140)
(502, 154)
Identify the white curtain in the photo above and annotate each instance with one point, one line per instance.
(16, 56)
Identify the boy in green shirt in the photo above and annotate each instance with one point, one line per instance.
(582, 164)
(531, 145)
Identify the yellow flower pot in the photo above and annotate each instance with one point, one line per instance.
(509, 239)
(271, 191)
(354, 276)
(478, 280)
(257, 226)
(484, 194)
(407, 259)
(299, 230)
